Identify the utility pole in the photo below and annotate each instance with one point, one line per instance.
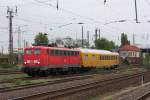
(99, 33)
(88, 39)
(82, 36)
(82, 32)
(104, 2)
(19, 45)
(133, 39)
(57, 6)
(19, 37)
(96, 34)
(2, 48)
(136, 11)
(10, 15)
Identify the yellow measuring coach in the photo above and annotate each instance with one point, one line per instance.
(92, 58)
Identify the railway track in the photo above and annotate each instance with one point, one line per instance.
(8, 72)
(13, 80)
(146, 96)
(83, 86)
(64, 79)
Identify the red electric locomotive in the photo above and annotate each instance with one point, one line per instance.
(42, 61)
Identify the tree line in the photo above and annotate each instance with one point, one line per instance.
(101, 43)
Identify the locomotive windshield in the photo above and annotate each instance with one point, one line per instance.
(34, 51)
(37, 51)
(29, 51)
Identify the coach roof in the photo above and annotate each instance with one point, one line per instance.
(97, 51)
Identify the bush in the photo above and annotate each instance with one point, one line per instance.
(126, 62)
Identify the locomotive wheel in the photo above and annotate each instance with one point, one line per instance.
(31, 74)
(43, 73)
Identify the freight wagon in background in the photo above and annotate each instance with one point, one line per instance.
(42, 61)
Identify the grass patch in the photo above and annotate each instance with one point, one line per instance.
(11, 77)
(10, 67)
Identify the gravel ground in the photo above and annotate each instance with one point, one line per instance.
(7, 95)
(133, 93)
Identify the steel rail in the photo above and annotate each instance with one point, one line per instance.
(73, 89)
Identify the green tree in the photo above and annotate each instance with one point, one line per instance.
(124, 39)
(41, 39)
(104, 44)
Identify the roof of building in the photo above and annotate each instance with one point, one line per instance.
(129, 48)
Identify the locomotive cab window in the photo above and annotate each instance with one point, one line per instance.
(37, 51)
(28, 51)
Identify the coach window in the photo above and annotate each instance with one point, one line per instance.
(116, 57)
(28, 52)
(93, 57)
(102, 57)
(86, 57)
(105, 57)
(110, 57)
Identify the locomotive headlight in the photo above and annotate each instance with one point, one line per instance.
(38, 62)
(25, 62)
(28, 61)
(35, 61)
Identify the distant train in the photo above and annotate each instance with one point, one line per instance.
(42, 61)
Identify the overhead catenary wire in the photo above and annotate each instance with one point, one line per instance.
(72, 13)
(75, 14)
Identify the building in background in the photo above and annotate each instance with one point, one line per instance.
(130, 53)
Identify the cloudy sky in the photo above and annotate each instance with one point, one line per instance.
(35, 16)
